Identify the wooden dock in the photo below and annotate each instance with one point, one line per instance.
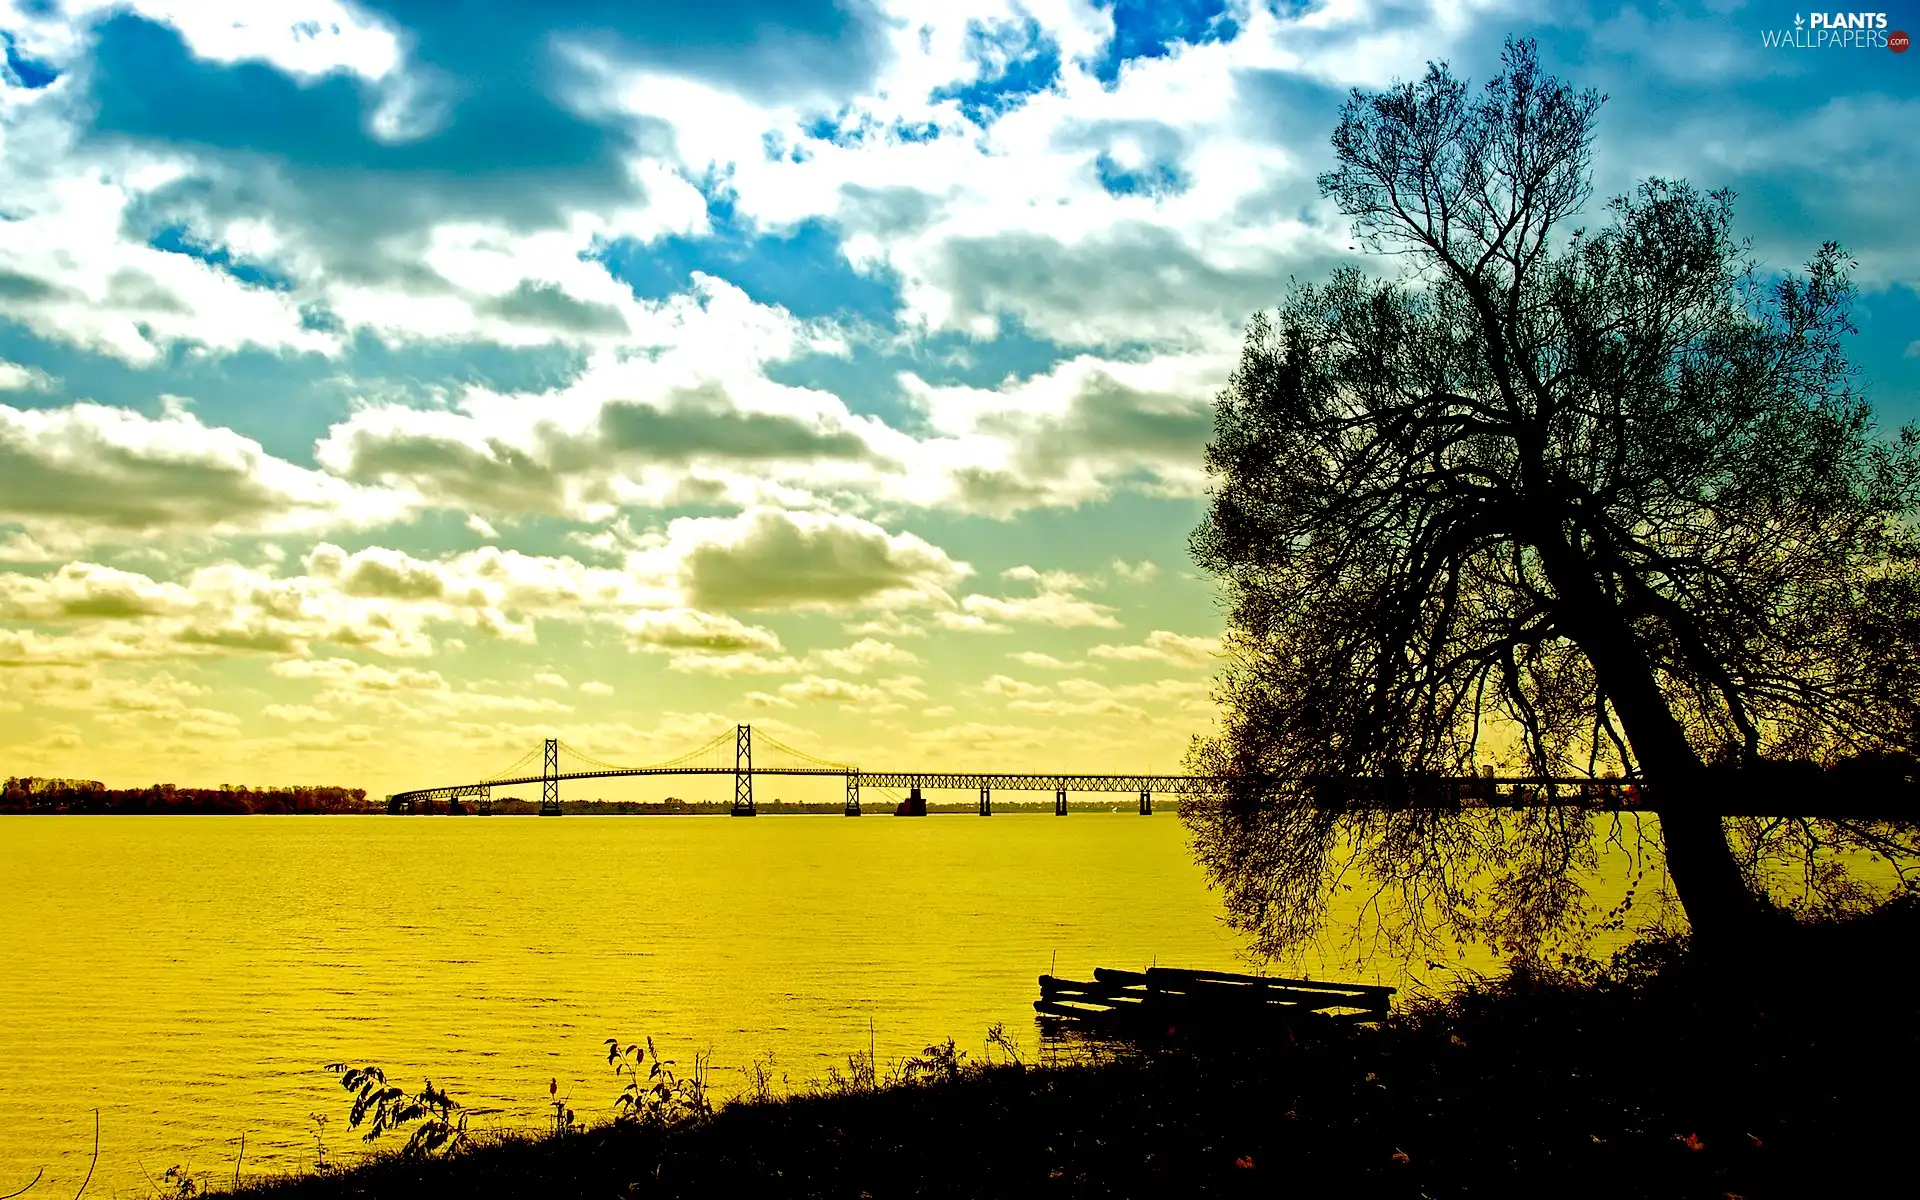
(1168, 1001)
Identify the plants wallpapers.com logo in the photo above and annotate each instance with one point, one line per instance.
(1837, 31)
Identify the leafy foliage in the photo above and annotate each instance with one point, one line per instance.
(659, 1096)
(439, 1122)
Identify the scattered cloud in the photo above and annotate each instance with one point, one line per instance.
(1055, 602)
(773, 559)
(1164, 646)
(16, 378)
(87, 473)
(1044, 662)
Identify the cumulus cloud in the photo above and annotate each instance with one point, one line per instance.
(686, 629)
(90, 472)
(1164, 646)
(772, 559)
(16, 378)
(1072, 434)
(403, 691)
(1044, 662)
(883, 696)
(1055, 602)
(298, 714)
(1002, 685)
(693, 418)
(862, 656)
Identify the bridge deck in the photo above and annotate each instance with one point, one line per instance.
(1468, 791)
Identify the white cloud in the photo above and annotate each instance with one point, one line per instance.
(1002, 685)
(773, 559)
(1164, 646)
(305, 38)
(596, 688)
(16, 378)
(686, 629)
(1054, 603)
(863, 656)
(298, 714)
(1044, 662)
(88, 472)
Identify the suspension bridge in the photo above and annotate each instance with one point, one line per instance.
(733, 753)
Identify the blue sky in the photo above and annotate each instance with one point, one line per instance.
(385, 386)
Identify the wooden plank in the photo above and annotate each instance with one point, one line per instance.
(1068, 995)
(1171, 973)
(1049, 983)
(1268, 980)
(1232, 991)
(1054, 1009)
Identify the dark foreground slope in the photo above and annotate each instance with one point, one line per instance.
(1629, 1082)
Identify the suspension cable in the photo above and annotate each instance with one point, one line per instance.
(777, 744)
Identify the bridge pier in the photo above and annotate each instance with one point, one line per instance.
(986, 801)
(853, 793)
(1146, 804)
(1060, 802)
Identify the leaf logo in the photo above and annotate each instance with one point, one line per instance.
(1798, 20)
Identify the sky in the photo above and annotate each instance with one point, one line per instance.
(387, 386)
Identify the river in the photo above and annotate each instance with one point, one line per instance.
(189, 977)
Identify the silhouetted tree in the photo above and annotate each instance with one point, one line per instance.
(1577, 501)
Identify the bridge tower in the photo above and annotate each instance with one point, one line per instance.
(550, 779)
(1060, 800)
(1146, 804)
(743, 771)
(853, 793)
(986, 800)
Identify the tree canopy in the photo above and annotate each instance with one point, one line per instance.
(1570, 501)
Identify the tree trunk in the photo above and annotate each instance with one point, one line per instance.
(1722, 909)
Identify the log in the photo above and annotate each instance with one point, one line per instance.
(1172, 973)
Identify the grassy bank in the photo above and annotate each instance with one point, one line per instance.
(1630, 1081)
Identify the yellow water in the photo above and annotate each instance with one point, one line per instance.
(189, 976)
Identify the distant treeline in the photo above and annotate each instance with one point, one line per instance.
(33, 794)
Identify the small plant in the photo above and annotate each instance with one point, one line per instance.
(560, 1121)
(861, 1076)
(321, 1163)
(939, 1064)
(177, 1181)
(997, 1039)
(759, 1075)
(661, 1097)
(440, 1123)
